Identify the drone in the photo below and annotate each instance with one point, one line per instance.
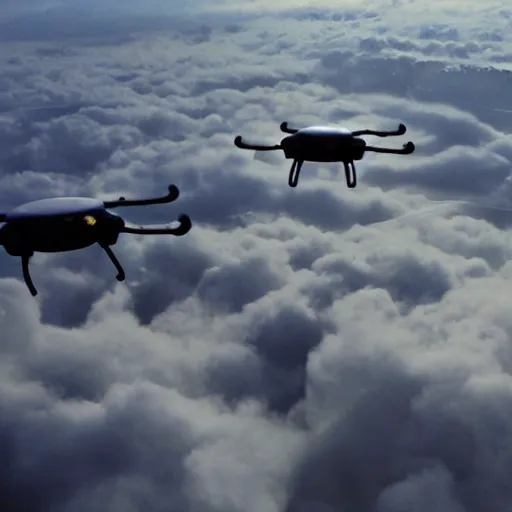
(327, 144)
(62, 224)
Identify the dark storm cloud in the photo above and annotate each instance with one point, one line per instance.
(299, 350)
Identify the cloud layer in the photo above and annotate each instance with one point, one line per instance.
(300, 350)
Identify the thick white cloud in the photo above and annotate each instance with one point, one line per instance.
(309, 349)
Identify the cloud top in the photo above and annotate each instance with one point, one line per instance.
(315, 349)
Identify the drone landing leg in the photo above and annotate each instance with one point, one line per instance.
(26, 273)
(293, 178)
(120, 272)
(350, 174)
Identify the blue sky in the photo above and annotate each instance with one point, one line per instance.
(301, 350)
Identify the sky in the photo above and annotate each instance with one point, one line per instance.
(317, 349)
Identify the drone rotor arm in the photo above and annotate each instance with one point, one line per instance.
(407, 149)
(401, 130)
(240, 143)
(284, 128)
(185, 224)
(3, 217)
(171, 196)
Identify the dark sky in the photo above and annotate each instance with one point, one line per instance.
(316, 349)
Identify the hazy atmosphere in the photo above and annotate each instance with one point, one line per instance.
(317, 349)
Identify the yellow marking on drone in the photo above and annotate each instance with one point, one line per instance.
(90, 220)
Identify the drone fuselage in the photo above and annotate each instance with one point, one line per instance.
(323, 144)
(63, 224)
(53, 225)
(326, 144)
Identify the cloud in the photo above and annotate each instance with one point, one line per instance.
(308, 349)
(421, 390)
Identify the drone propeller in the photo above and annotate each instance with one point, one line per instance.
(407, 149)
(169, 198)
(239, 143)
(182, 229)
(401, 130)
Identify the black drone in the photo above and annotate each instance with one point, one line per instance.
(63, 224)
(327, 144)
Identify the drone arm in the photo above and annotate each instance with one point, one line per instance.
(284, 128)
(26, 274)
(120, 271)
(172, 195)
(401, 130)
(407, 149)
(3, 217)
(183, 228)
(239, 143)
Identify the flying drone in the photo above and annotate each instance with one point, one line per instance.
(327, 144)
(63, 224)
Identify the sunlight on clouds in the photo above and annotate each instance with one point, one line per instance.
(401, 6)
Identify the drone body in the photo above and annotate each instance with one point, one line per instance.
(64, 224)
(326, 144)
(58, 225)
